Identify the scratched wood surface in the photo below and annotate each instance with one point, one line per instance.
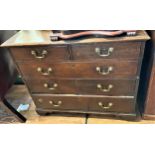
(38, 37)
(20, 94)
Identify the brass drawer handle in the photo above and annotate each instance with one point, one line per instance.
(105, 71)
(105, 107)
(44, 72)
(40, 100)
(104, 52)
(105, 90)
(55, 85)
(55, 104)
(39, 54)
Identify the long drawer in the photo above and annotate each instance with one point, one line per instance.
(96, 69)
(124, 50)
(96, 87)
(84, 103)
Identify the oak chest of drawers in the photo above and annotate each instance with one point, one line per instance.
(93, 75)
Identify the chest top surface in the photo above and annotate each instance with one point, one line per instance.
(42, 37)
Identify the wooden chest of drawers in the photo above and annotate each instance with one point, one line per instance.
(94, 75)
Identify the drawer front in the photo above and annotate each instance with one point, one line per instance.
(44, 53)
(52, 86)
(105, 69)
(94, 87)
(84, 103)
(56, 102)
(124, 50)
(123, 105)
(107, 87)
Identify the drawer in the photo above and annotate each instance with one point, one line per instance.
(41, 53)
(97, 69)
(122, 105)
(84, 103)
(52, 86)
(94, 87)
(107, 87)
(123, 50)
(59, 102)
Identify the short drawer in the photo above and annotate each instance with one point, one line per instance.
(97, 69)
(41, 53)
(123, 50)
(52, 86)
(107, 87)
(84, 103)
(121, 105)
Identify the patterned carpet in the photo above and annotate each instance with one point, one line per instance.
(15, 97)
(5, 117)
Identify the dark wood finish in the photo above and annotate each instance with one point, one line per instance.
(150, 102)
(68, 102)
(71, 34)
(8, 74)
(78, 75)
(30, 38)
(108, 87)
(148, 75)
(84, 103)
(121, 105)
(119, 87)
(59, 53)
(121, 69)
(52, 86)
(102, 51)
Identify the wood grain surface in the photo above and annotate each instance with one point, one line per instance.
(33, 37)
(64, 60)
(20, 94)
(121, 69)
